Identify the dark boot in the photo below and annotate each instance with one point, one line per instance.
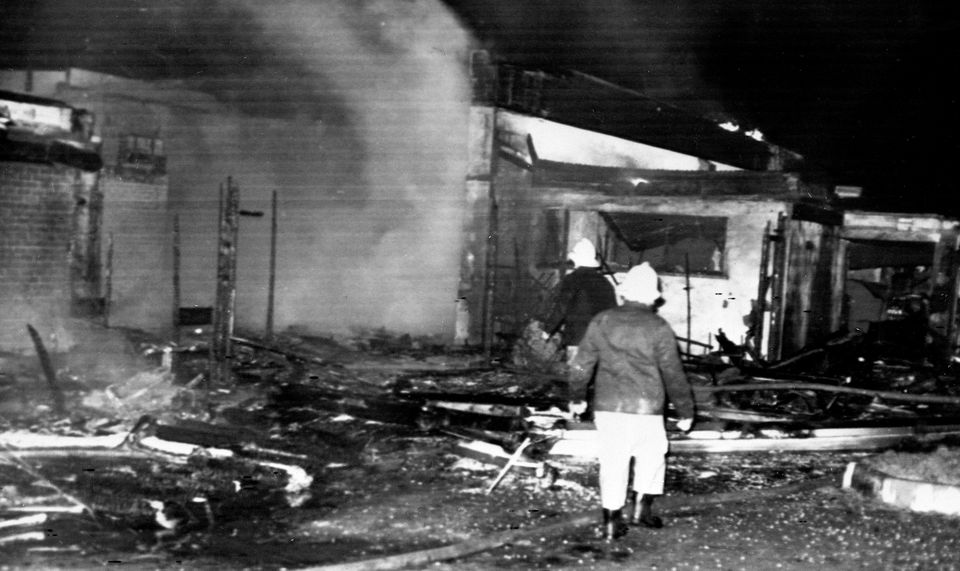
(613, 525)
(643, 512)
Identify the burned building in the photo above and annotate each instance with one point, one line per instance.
(745, 243)
(901, 282)
(748, 243)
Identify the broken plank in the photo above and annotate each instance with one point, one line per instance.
(731, 414)
(509, 464)
(23, 439)
(493, 454)
(289, 355)
(48, 372)
(774, 385)
(480, 408)
(583, 443)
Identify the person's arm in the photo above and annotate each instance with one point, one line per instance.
(560, 309)
(582, 366)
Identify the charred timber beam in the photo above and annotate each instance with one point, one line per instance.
(226, 293)
(176, 278)
(272, 279)
(48, 371)
(773, 385)
(289, 355)
(484, 399)
(588, 102)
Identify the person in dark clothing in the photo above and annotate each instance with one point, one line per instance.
(634, 354)
(583, 293)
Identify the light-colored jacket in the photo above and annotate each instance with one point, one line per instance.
(638, 367)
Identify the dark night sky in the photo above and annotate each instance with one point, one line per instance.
(860, 87)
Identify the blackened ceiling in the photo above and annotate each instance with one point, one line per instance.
(861, 87)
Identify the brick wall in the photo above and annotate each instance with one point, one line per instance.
(36, 207)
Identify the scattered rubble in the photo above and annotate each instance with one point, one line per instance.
(162, 464)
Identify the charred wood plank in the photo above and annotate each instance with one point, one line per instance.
(207, 435)
(46, 364)
(774, 385)
(226, 290)
(484, 399)
(582, 443)
(289, 355)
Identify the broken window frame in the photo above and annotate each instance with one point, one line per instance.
(141, 153)
(621, 251)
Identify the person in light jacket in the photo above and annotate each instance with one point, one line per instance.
(634, 354)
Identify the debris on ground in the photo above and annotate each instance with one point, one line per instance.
(323, 450)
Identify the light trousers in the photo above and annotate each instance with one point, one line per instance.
(622, 436)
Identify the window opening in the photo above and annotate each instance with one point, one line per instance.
(668, 242)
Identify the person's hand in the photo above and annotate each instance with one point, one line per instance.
(685, 424)
(578, 407)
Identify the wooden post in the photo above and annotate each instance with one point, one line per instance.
(215, 315)
(763, 284)
(686, 271)
(778, 288)
(271, 286)
(108, 281)
(49, 372)
(176, 278)
(954, 290)
(84, 247)
(490, 281)
(225, 301)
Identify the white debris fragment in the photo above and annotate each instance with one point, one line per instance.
(26, 536)
(46, 509)
(298, 483)
(16, 439)
(471, 465)
(25, 520)
(182, 448)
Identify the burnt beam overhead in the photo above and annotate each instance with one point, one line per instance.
(641, 182)
(586, 102)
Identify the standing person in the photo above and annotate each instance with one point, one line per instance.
(638, 367)
(584, 292)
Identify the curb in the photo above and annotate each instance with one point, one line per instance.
(914, 495)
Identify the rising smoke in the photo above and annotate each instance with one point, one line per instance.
(371, 176)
